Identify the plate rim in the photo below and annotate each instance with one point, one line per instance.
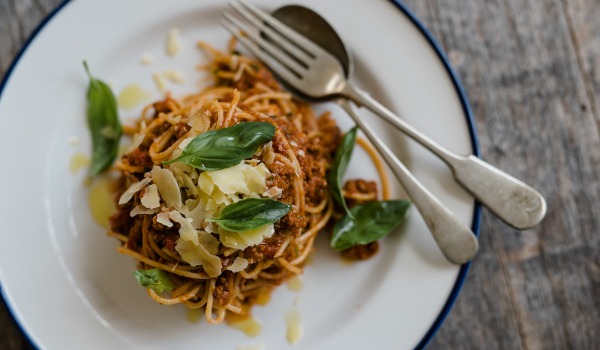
(467, 111)
(477, 210)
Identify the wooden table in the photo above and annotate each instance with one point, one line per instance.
(532, 73)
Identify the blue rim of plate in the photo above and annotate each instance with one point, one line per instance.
(475, 225)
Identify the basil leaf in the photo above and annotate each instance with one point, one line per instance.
(335, 176)
(103, 121)
(251, 213)
(220, 149)
(155, 279)
(372, 221)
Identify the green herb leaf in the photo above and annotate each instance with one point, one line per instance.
(155, 279)
(103, 121)
(372, 221)
(335, 176)
(220, 149)
(251, 213)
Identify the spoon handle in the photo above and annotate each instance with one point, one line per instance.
(455, 240)
(513, 201)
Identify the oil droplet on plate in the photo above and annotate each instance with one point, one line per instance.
(309, 259)
(100, 200)
(193, 315)
(263, 298)
(295, 283)
(132, 95)
(78, 162)
(250, 326)
(293, 322)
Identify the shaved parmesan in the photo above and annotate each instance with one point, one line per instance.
(197, 248)
(198, 214)
(255, 177)
(220, 198)
(200, 122)
(268, 153)
(159, 81)
(186, 230)
(147, 59)
(163, 219)
(139, 209)
(273, 192)
(212, 205)
(167, 186)
(174, 75)
(239, 264)
(243, 240)
(230, 180)
(210, 227)
(131, 190)
(185, 142)
(205, 183)
(150, 198)
(197, 254)
(209, 242)
(173, 42)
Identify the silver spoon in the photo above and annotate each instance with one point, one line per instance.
(513, 201)
(455, 240)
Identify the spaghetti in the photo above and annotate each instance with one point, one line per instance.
(297, 159)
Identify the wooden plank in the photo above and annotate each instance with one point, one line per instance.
(17, 20)
(582, 16)
(11, 337)
(519, 64)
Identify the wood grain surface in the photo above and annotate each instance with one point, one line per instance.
(531, 70)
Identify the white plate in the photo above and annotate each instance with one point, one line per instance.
(60, 274)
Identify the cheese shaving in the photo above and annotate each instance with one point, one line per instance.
(185, 142)
(173, 42)
(243, 240)
(167, 186)
(139, 209)
(147, 59)
(163, 219)
(197, 254)
(255, 176)
(150, 198)
(268, 153)
(159, 81)
(230, 180)
(186, 230)
(239, 264)
(131, 190)
(174, 76)
(273, 192)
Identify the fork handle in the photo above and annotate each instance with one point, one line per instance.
(513, 201)
(455, 240)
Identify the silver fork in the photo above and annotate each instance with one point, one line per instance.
(455, 240)
(316, 74)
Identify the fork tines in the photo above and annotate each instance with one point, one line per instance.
(285, 51)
